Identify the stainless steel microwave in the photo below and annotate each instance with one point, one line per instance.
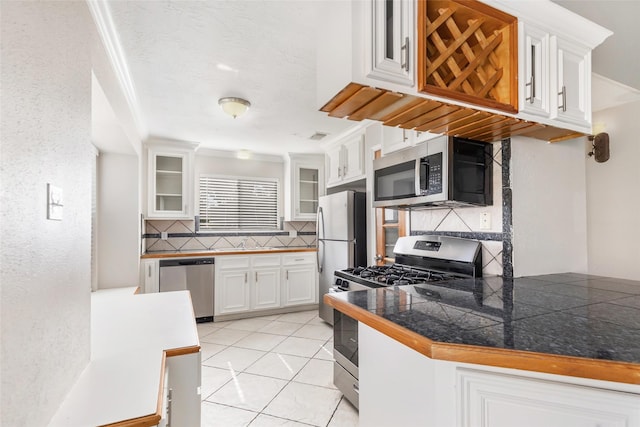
(444, 171)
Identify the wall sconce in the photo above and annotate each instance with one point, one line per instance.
(234, 106)
(599, 147)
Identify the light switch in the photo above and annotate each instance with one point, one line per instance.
(54, 202)
(485, 221)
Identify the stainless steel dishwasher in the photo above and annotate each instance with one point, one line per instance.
(192, 274)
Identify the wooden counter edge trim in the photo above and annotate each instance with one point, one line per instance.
(220, 253)
(605, 370)
(182, 351)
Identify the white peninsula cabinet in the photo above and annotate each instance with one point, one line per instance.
(415, 390)
(170, 180)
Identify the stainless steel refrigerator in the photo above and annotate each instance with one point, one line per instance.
(342, 239)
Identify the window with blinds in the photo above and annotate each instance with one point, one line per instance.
(230, 203)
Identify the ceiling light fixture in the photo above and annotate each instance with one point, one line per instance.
(234, 106)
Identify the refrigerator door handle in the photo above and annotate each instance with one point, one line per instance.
(319, 223)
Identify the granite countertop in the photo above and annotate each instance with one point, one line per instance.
(225, 251)
(571, 324)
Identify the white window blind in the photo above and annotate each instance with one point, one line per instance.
(238, 203)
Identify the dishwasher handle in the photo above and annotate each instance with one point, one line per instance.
(183, 262)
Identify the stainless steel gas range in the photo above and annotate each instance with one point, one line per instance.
(419, 259)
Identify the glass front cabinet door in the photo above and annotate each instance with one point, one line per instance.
(305, 184)
(170, 184)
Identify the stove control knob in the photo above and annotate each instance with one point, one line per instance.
(338, 282)
(345, 284)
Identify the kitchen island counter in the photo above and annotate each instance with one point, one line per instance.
(566, 324)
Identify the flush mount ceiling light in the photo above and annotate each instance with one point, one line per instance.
(234, 106)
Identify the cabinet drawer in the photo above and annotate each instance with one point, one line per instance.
(299, 258)
(232, 262)
(265, 261)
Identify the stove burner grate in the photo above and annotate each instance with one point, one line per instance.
(397, 274)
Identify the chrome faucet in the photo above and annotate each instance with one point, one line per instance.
(243, 243)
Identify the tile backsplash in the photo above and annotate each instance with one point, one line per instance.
(465, 222)
(181, 235)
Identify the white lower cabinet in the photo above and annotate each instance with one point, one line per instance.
(495, 400)
(150, 280)
(415, 390)
(300, 279)
(264, 282)
(231, 291)
(266, 288)
(246, 283)
(183, 400)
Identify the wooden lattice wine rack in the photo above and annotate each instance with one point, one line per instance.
(468, 51)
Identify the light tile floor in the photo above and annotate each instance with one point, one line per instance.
(271, 371)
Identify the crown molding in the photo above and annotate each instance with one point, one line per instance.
(106, 29)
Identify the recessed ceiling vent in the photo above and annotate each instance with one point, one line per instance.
(318, 136)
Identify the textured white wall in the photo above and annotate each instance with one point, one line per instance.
(613, 197)
(118, 221)
(549, 206)
(45, 276)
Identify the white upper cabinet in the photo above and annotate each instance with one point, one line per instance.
(571, 69)
(554, 63)
(555, 77)
(395, 138)
(170, 182)
(534, 70)
(345, 161)
(353, 164)
(392, 57)
(334, 166)
(304, 184)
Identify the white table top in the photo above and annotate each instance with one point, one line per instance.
(129, 335)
